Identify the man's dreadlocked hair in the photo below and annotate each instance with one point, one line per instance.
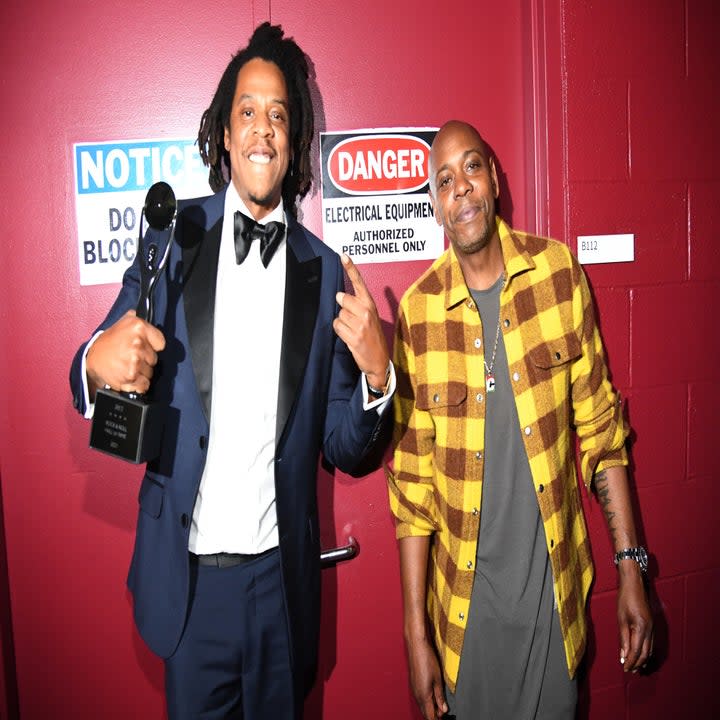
(267, 43)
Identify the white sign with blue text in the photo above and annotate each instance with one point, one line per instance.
(111, 181)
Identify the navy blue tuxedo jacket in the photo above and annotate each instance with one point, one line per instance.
(319, 411)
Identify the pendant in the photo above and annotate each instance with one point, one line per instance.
(489, 382)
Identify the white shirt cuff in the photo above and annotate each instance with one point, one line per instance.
(89, 407)
(378, 403)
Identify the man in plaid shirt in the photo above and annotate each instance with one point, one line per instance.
(499, 366)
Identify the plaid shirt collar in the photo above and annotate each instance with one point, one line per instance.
(516, 260)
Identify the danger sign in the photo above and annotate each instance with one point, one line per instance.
(374, 195)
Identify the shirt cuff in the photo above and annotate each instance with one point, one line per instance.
(370, 403)
(89, 407)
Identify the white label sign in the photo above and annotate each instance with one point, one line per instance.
(605, 248)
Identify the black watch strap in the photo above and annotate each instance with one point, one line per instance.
(377, 393)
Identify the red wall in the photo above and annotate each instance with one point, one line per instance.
(634, 148)
(602, 116)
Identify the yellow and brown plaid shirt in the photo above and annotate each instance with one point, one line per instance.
(559, 377)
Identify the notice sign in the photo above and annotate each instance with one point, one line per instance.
(375, 205)
(111, 181)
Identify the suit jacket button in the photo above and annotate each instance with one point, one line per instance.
(202, 442)
(184, 520)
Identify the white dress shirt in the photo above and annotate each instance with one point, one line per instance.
(235, 507)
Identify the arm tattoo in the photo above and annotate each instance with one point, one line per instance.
(603, 494)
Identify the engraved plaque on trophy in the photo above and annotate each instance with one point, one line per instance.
(128, 425)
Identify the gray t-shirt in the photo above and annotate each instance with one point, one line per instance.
(513, 660)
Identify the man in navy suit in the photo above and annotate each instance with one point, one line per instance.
(226, 568)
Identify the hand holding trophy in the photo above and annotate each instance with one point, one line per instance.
(127, 425)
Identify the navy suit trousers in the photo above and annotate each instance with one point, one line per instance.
(233, 660)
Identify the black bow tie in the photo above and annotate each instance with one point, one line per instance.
(247, 230)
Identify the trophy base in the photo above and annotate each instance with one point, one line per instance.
(127, 428)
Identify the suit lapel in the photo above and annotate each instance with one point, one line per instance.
(302, 297)
(202, 229)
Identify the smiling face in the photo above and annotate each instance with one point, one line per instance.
(258, 135)
(463, 187)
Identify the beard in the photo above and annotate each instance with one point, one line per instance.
(482, 238)
(266, 200)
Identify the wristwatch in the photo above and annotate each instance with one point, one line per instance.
(374, 392)
(638, 554)
(377, 393)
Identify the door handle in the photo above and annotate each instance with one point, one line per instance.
(328, 558)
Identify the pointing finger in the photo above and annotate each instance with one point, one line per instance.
(355, 277)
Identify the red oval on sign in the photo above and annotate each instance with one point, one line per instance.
(379, 164)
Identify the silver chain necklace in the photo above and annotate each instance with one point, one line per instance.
(489, 376)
